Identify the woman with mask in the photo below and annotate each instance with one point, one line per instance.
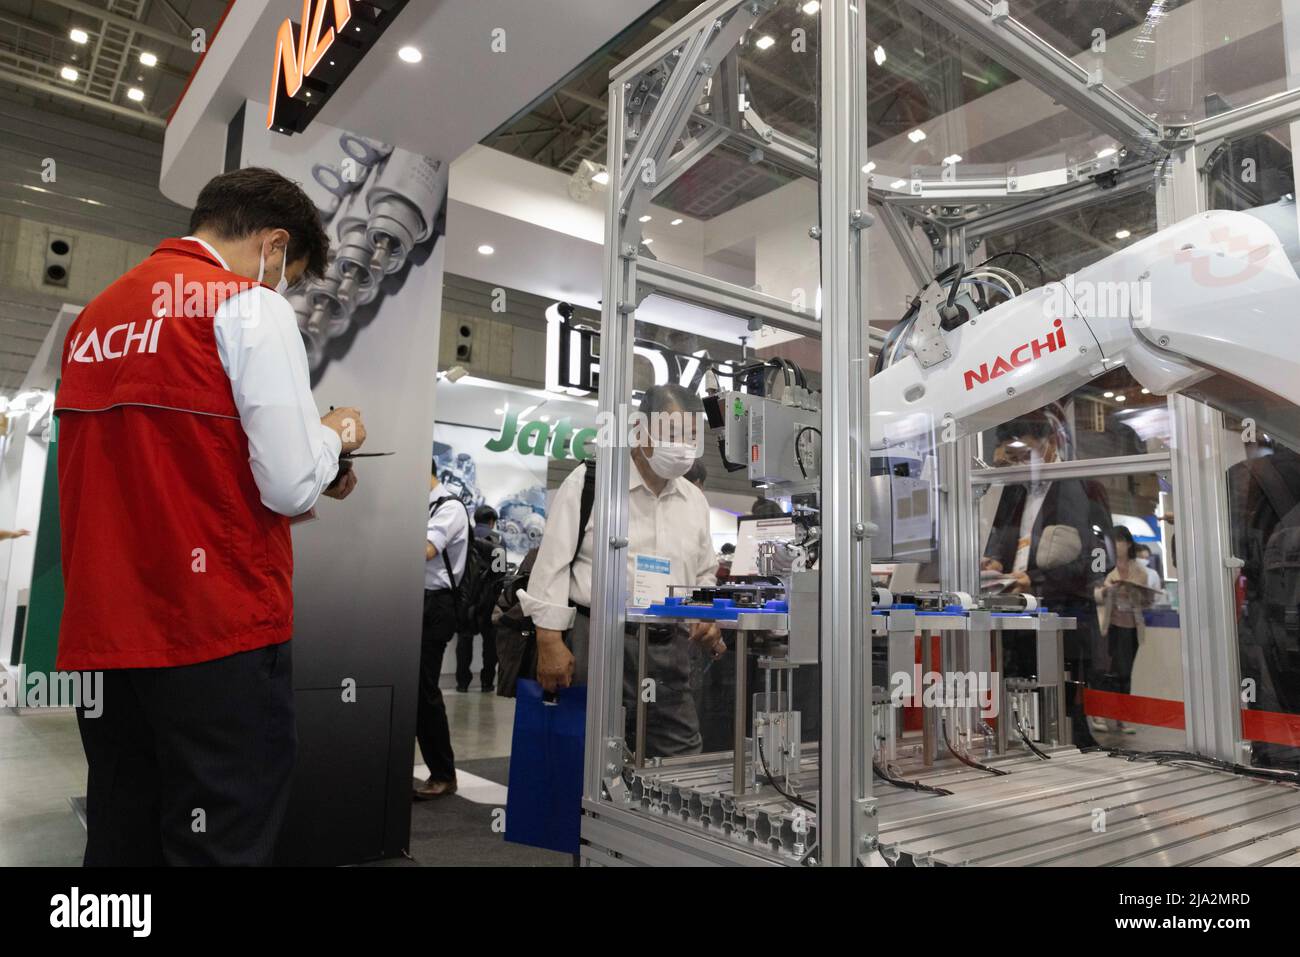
(1122, 597)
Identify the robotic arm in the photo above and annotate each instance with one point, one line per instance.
(1209, 307)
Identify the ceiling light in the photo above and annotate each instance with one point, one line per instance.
(1146, 391)
(1108, 395)
(869, 167)
(601, 178)
(498, 411)
(916, 135)
(148, 59)
(1121, 398)
(645, 219)
(486, 250)
(811, 7)
(647, 242)
(952, 159)
(677, 222)
(78, 36)
(898, 184)
(1123, 234)
(764, 42)
(135, 94)
(544, 418)
(1108, 151)
(69, 74)
(880, 56)
(410, 55)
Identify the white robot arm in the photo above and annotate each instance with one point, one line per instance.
(1209, 307)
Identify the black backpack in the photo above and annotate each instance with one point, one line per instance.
(480, 583)
(516, 635)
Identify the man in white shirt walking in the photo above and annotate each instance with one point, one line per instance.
(445, 549)
(668, 528)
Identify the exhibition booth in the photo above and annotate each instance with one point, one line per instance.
(982, 313)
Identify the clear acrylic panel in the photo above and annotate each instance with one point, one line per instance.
(1113, 414)
(743, 212)
(1066, 541)
(933, 95)
(1176, 60)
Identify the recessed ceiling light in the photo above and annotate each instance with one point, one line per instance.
(1108, 395)
(1108, 151)
(880, 56)
(764, 42)
(677, 222)
(916, 135)
(486, 250)
(602, 178)
(148, 59)
(1121, 398)
(645, 219)
(135, 94)
(410, 55)
(869, 167)
(1146, 391)
(69, 74)
(898, 184)
(952, 159)
(78, 36)
(811, 7)
(1123, 234)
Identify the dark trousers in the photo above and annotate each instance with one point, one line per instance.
(1123, 645)
(431, 728)
(191, 765)
(465, 658)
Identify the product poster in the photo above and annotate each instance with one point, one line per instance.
(512, 483)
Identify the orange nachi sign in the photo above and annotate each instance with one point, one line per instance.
(297, 58)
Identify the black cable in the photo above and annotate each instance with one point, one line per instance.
(904, 784)
(1042, 273)
(1020, 728)
(968, 761)
(798, 456)
(772, 781)
(1289, 778)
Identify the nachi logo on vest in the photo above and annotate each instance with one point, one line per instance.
(116, 342)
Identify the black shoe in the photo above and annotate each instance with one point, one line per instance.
(488, 689)
(463, 689)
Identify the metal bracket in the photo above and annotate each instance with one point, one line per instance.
(928, 342)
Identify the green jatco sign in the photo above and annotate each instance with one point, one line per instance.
(561, 441)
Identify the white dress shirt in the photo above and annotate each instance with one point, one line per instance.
(292, 454)
(672, 525)
(1034, 499)
(448, 532)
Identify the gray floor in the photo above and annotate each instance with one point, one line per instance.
(42, 767)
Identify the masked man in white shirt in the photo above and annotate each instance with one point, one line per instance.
(668, 539)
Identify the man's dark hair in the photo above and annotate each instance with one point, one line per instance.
(669, 397)
(242, 202)
(1031, 426)
(485, 515)
(728, 548)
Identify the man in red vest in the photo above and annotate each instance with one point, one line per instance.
(187, 439)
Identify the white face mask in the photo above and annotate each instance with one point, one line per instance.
(282, 286)
(671, 459)
(1142, 562)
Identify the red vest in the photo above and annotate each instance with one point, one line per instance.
(169, 555)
